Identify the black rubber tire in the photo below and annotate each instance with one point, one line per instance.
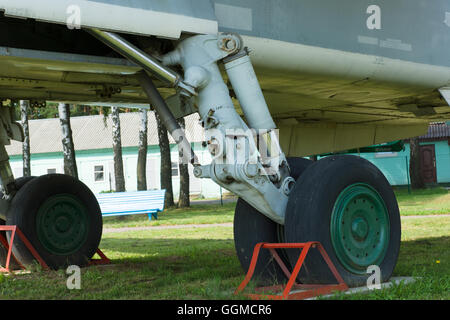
(24, 208)
(298, 166)
(19, 182)
(309, 212)
(252, 227)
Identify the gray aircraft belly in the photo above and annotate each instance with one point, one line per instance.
(411, 30)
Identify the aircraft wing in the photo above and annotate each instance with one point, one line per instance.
(167, 18)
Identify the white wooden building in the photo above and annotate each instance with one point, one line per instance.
(92, 137)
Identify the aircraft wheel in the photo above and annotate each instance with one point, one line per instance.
(61, 218)
(19, 182)
(347, 204)
(252, 227)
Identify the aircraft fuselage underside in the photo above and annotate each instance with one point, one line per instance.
(326, 69)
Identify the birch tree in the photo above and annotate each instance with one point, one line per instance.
(24, 107)
(184, 200)
(142, 153)
(117, 149)
(166, 162)
(70, 164)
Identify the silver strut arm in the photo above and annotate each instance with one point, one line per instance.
(151, 65)
(134, 54)
(239, 165)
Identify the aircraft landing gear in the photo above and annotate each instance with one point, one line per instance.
(347, 204)
(60, 216)
(343, 202)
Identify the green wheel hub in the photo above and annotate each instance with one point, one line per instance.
(360, 228)
(62, 224)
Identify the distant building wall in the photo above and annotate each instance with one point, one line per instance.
(395, 165)
(96, 169)
(443, 161)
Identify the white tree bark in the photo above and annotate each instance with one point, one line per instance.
(183, 200)
(117, 149)
(70, 164)
(142, 153)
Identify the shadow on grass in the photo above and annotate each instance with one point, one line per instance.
(429, 255)
(176, 268)
(187, 255)
(212, 257)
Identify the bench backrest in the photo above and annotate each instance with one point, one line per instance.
(131, 202)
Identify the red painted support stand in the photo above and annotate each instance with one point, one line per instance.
(15, 230)
(103, 259)
(308, 290)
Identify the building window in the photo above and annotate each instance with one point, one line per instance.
(51, 170)
(99, 173)
(175, 171)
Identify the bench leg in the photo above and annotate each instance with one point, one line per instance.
(153, 214)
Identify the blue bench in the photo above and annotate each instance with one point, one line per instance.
(126, 203)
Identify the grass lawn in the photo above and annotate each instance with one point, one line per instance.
(196, 214)
(201, 264)
(425, 202)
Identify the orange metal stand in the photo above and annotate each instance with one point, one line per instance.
(307, 290)
(14, 229)
(103, 259)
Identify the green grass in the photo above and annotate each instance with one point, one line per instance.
(196, 214)
(424, 202)
(159, 264)
(201, 264)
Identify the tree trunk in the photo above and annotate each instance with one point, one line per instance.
(183, 201)
(142, 153)
(414, 165)
(70, 164)
(117, 149)
(24, 106)
(166, 163)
